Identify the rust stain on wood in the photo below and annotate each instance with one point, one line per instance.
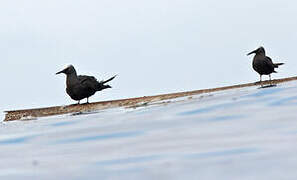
(131, 102)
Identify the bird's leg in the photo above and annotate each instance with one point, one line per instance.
(261, 80)
(87, 100)
(78, 102)
(270, 79)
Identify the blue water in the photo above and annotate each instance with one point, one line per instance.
(248, 133)
(101, 137)
(17, 140)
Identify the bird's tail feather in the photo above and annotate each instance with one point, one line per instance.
(106, 81)
(102, 85)
(278, 64)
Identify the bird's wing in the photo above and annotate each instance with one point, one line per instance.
(88, 81)
(269, 59)
(83, 78)
(268, 64)
(274, 64)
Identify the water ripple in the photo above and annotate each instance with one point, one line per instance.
(222, 153)
(65, 123)
(285, 101)
(225, 118)
(17, 140)
(102, 137)
(264, 92)
(138, 159)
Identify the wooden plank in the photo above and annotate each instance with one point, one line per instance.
(58, 110)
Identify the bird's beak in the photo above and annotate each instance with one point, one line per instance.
(63, 71)
(251, 52)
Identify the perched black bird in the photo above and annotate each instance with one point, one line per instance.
(80, 87)
(263, 64)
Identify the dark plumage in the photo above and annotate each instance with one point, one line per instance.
(263, 64)
(80, 87)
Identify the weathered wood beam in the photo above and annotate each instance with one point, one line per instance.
(58, 110)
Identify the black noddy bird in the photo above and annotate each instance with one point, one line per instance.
(80, 87)
(263, 64)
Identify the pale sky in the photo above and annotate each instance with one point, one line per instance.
(155, 46)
